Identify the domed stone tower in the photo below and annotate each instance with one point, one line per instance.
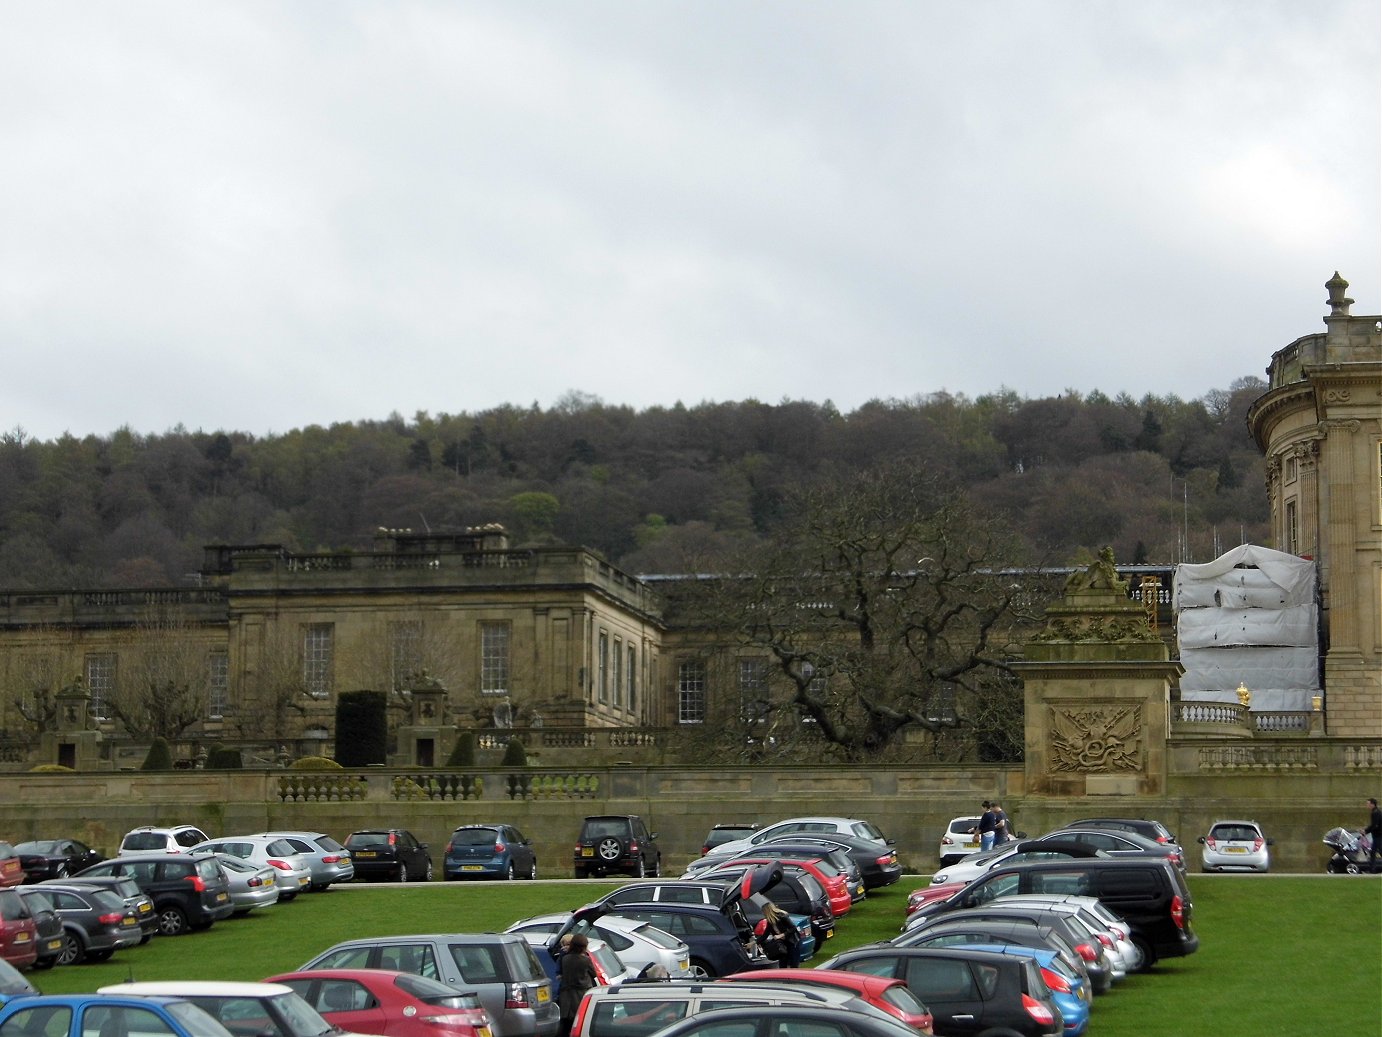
(1320, 426)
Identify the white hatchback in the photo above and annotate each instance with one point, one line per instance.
(960, 839)
(1235, 846)
(804, 826)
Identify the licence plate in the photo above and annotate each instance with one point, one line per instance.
(587, 851)
(129, 922)
(472, 867)
(144, 909)
(1235, 849)
(55, 944)
(685, 965)
(222, 896)
(483, 1031)
(23, 937)
(363, 854)
(306, 880)
(543, 995)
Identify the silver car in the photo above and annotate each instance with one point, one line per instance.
(294, 871)
(329, 860)
(251, 885)
(638, 944)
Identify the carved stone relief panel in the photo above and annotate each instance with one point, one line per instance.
(1096, 739)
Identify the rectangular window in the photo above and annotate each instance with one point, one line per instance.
(494, 658)
(617, 681)
(631, 676)
(753, 690)
(691, 692)
(1292, 467)
(217, 684)
(1292, 529)
(316, 658)
(405, 651)
(100, 682)
(602, 663)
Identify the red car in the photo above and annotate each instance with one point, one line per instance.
(400, 1004)
(835, 882)
(18, 934)
(888, 993)
(919, 898)
(11, 868)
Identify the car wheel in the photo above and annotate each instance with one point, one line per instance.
(73, 952)
(427, 874)
(700, 969)
(532, 870)
(640, 870)
(172, 921)
(609, 849)
(402, 871)
(657, 866)
(1148, 955)
(60, 872)
(510, 873)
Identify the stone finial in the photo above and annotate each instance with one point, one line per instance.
(1338, 302)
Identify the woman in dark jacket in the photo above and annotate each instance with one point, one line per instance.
(577, 976)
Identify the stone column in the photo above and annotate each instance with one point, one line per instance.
(1097, 690)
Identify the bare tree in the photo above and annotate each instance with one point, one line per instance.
(163, 686)
(40, 670)
(272, 693)
(884, 603)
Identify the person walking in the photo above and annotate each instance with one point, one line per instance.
(988, 822)
(577, 976)
(1374, 830)
(1002, 828)
(779, 936)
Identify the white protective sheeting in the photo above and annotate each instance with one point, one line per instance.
(1249, 617)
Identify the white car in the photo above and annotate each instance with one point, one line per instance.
(152, 839)
(329, 860)
(1124, 948)
(609, 967)
(638, 944)
(1013, 852)
(293, 869)
(1235, 846)
(803, 826)
(241, 1007)
(960, 839)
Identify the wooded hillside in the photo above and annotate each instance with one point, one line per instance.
(667, 489)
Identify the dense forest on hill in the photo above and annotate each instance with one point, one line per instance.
(667, 489)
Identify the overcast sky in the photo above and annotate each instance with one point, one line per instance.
(259, 216)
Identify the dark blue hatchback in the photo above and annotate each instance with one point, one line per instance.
(496, 851)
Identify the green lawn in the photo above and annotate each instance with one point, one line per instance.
(1278, 954)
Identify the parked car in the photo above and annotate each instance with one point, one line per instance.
(1016, 851)
(642, 1009)
(1145, 827)
(49, 936)
(797, 892)
(1235, 846)
(1070, 993)
(831, 879)
(294, 872)
(381, 1001)
(188, 891)
(724, 833)
(786, 849)
(1148, 892)
(151, 839)
(788, 1020)
(890, 995)
(11, 867)
(94, 920)
(618, 843)
(721, 940)
(1099, 913)
(961, 931)
(329, 860)
(806, 826)
(489, 851)
(389, 854)
(251, 885)
(137, 902)
(54, 858)
(13, 984)
(638, 944)
(878, 866)
(245, 1009)
(18, 934)
(500, 967)
(967, 991)
(959, 840)
(609, 967)
(1119, 844)
(105, 1015)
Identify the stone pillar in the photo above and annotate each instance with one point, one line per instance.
(425, 739)
(74, 740)
(1097, 689)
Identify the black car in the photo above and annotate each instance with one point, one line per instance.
(616, 843)
(877, 867)
(726, 832)
(137, 902)
(48, 931)
(388, 854)
(962, 928)
(54, 858)
(188, 891)
(1118, 843)
(94, 921)
(721, 941)
(968, 991)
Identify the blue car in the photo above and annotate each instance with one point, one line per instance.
(489, 851)
(76, 1015)
(1070, 992)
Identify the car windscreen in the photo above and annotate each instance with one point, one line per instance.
(42, 846)
(11, 907)
(368, 839)
(637, 1017)
(523, 963)
(867, 830)
(474, 837)
(145, 841)
(655, 935)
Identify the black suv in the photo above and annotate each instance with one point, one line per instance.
(619, 843)
(189, 891)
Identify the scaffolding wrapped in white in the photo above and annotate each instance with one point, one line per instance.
(1249, 617)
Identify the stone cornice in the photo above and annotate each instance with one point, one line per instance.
(1128, 670)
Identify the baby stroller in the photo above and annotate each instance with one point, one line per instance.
(1350, 852)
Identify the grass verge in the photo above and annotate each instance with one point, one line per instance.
(1277, 953)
